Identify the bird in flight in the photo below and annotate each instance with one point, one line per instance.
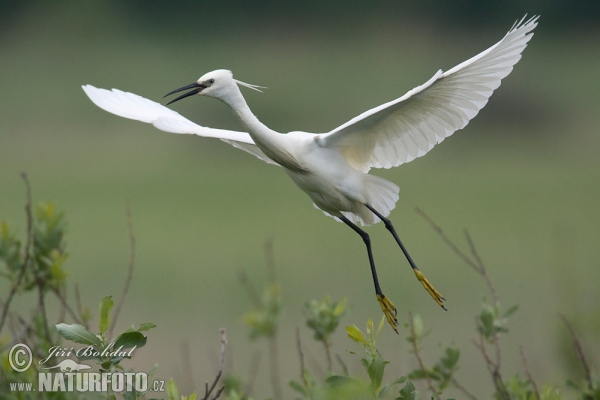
(332, 168)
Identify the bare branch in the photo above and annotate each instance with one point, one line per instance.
(450, 243)
(67, 307)
(270, 260)
(493, 368)
(463, 389)
(252, 373)
(129, 270)
(482, 269)
(79, 306)
(528, 373)
(342, 364)
(579, 351)
(274, 366)
(250, 289)
(186, 363)
(28, 243)
(300, 354)
(418, 356)
(208, 391)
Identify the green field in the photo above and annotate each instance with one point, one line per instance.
(523, 178)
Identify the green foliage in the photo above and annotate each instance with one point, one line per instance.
(588, 389)
(173, 392)
(443, 371)
(492, 321)
(324, 317)
(263, 320)
(108, 354)
(37, 263)
(46, 257)
(373, 363)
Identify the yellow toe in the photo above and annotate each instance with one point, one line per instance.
(430, 289)
(389, 310)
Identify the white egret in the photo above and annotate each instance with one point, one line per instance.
(332, 168)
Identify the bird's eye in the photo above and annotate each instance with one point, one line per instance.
(211, 81)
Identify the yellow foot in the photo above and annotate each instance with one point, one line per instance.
(388, 310)
(429, 287)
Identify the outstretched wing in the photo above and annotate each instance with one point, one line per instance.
(408, 127)
(132, 106)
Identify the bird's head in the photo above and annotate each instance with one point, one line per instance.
(218, 84)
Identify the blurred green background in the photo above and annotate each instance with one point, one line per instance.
(523, 177)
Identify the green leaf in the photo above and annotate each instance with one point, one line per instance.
(152, 371)
(511, 311)
(340, 307)
(78, 334)
(336, 381)
(355, 334)
(106, 305)
(172, 391)
(400, 380)
(130, 339)
(298, 388)
(383, 391)
(193, 396)
(418, 374)
(381, 324)
(106, 365)
(146, 326)
(450, 360)
(375, 370)
(418, 325)
(407, 392)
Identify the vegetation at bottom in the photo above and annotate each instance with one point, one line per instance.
(36, 264)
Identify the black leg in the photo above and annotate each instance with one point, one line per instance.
(386, 305)
(390, 227)
(428, 286)
(365, 237)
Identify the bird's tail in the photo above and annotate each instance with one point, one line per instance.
(382, 196)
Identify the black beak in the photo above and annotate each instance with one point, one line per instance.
(197, 88)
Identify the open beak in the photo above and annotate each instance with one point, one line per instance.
(197, 88)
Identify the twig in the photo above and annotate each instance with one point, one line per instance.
(67, 307)
(79, 306)
(188, 379)
(18, 327)
(342, 364)
(252, 293)
(579, 351)
(418, 356)
(482, 269)
(313, 363)
(450, 243)
(28, 242)
(463, 389)
(493, 368)
(208, 391)
(42, 304)
(476, 263)
(129, 270)
(328, 355)
(528, 373)
(252, 373)
(274, 366)
(270, 260)
(300, 355)
(38, 279)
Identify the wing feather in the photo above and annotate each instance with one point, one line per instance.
(406, 128)
(132, 106)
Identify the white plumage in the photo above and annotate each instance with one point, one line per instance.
(332, 168)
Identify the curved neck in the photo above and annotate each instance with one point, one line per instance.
(259, 131)
(275, 145)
